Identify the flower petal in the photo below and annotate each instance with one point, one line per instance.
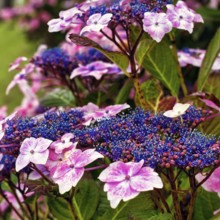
(21, 162)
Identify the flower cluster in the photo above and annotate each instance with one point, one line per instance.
(151, 16)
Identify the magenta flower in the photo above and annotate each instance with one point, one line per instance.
(68, 172)
(33, 150)
(96, 69)
(182, 17)
(212, 184)
(96, 22)
(64, 143)
(156, 25)
(66, 18)
(125, 181)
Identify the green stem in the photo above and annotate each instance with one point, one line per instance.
(76, 209)
(119, 210)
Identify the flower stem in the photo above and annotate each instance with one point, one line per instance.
(76, 209)
(178, 213)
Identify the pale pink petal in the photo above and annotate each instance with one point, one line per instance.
(146, 180)
(105, 19)
(69, 180)
(170, 114)
(179, 107)
(94, 18)
(42, 144)
(85, 29)
(27, 145)
(21, 162)
(61, 170)
(87, 157)
(113, 173)
(39, 158)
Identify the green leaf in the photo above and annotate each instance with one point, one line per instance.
(144, 47)
(124, 92)
(140, 208)
(211, 54)
(212, 85)
(206, 204)
(87, 198)
(59, 208)
(152, 93)
(161, 64)
(58, 97)
(116, 57)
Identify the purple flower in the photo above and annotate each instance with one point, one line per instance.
(93, 112)
(66, 18)
(212, 184)
(96, 69)
(33, 150)
(156, 25)
(68, 172)
(182, 17)
(64, 143)
(96, 22)
(125, 181)
(35, 175)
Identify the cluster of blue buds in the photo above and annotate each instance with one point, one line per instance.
(55, 61)
(160, 141)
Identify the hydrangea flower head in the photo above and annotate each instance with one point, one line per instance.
(178, 110)
(182, 17)
(125, 181)
(156, 25)
(68, 172)
(96, 22)
(33, 150)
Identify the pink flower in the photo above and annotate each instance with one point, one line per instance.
(33, 150)
(93, 112)
(1, 165)
(156, 25)
(96, 22)
(125, 181)
(96, 69)
(17, 63)
(68, 172)
(34, 175)
(182, 17)
(212, 184)
(64, 143)
(66, 19)
(195, 57)
(178, 110)
(20, 76)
